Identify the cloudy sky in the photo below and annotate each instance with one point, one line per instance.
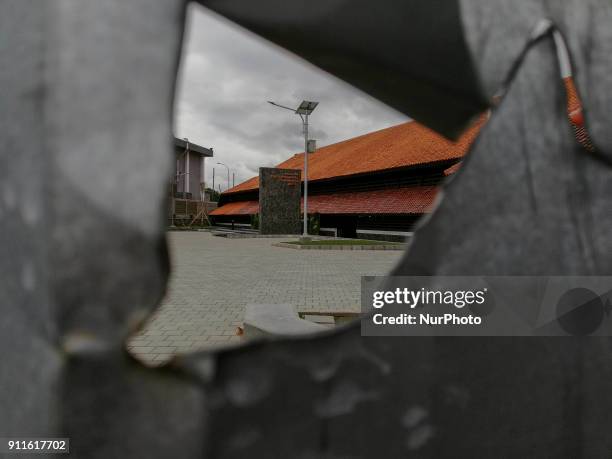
(226, 77)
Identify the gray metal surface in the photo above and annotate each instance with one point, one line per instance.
(410, 54)
(497, 30)
(86, 90)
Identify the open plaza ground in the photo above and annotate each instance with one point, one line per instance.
(214, 278)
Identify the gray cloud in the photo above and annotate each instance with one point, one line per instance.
(227, 75)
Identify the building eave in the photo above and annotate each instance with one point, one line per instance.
(181, 144)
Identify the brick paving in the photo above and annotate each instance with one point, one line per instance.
(214, 278)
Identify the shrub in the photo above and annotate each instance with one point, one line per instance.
(255, 221)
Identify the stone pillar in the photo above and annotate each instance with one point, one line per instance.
(279, 200)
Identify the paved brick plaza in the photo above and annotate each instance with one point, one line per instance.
(214, 278)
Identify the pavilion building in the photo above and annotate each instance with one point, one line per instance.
(376, 185)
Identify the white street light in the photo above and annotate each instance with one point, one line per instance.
(304, 110)
(228, 171)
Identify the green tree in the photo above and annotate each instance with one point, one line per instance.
(214, 195)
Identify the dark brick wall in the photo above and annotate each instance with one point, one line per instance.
(279, 200)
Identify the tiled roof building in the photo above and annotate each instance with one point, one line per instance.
(378, 182)
(404, 145)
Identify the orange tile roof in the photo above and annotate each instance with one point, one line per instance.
(573, 101)
(407, 200)
(406, 144)
(454, 168)
(575, 114)
(237, 208)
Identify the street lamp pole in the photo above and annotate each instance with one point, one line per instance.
(228, 174)
(305, 124)
(304, 110)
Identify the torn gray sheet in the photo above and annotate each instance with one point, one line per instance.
(86, 90)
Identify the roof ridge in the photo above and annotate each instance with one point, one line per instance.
(401, 145)
(355, 138)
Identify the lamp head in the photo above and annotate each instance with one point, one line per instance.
(306, 107)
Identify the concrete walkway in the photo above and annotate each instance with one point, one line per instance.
(214, 278)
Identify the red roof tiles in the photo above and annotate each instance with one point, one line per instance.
(454, 168)
(407, 144)
(408, 200)
(575, 114)
(237, 208)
